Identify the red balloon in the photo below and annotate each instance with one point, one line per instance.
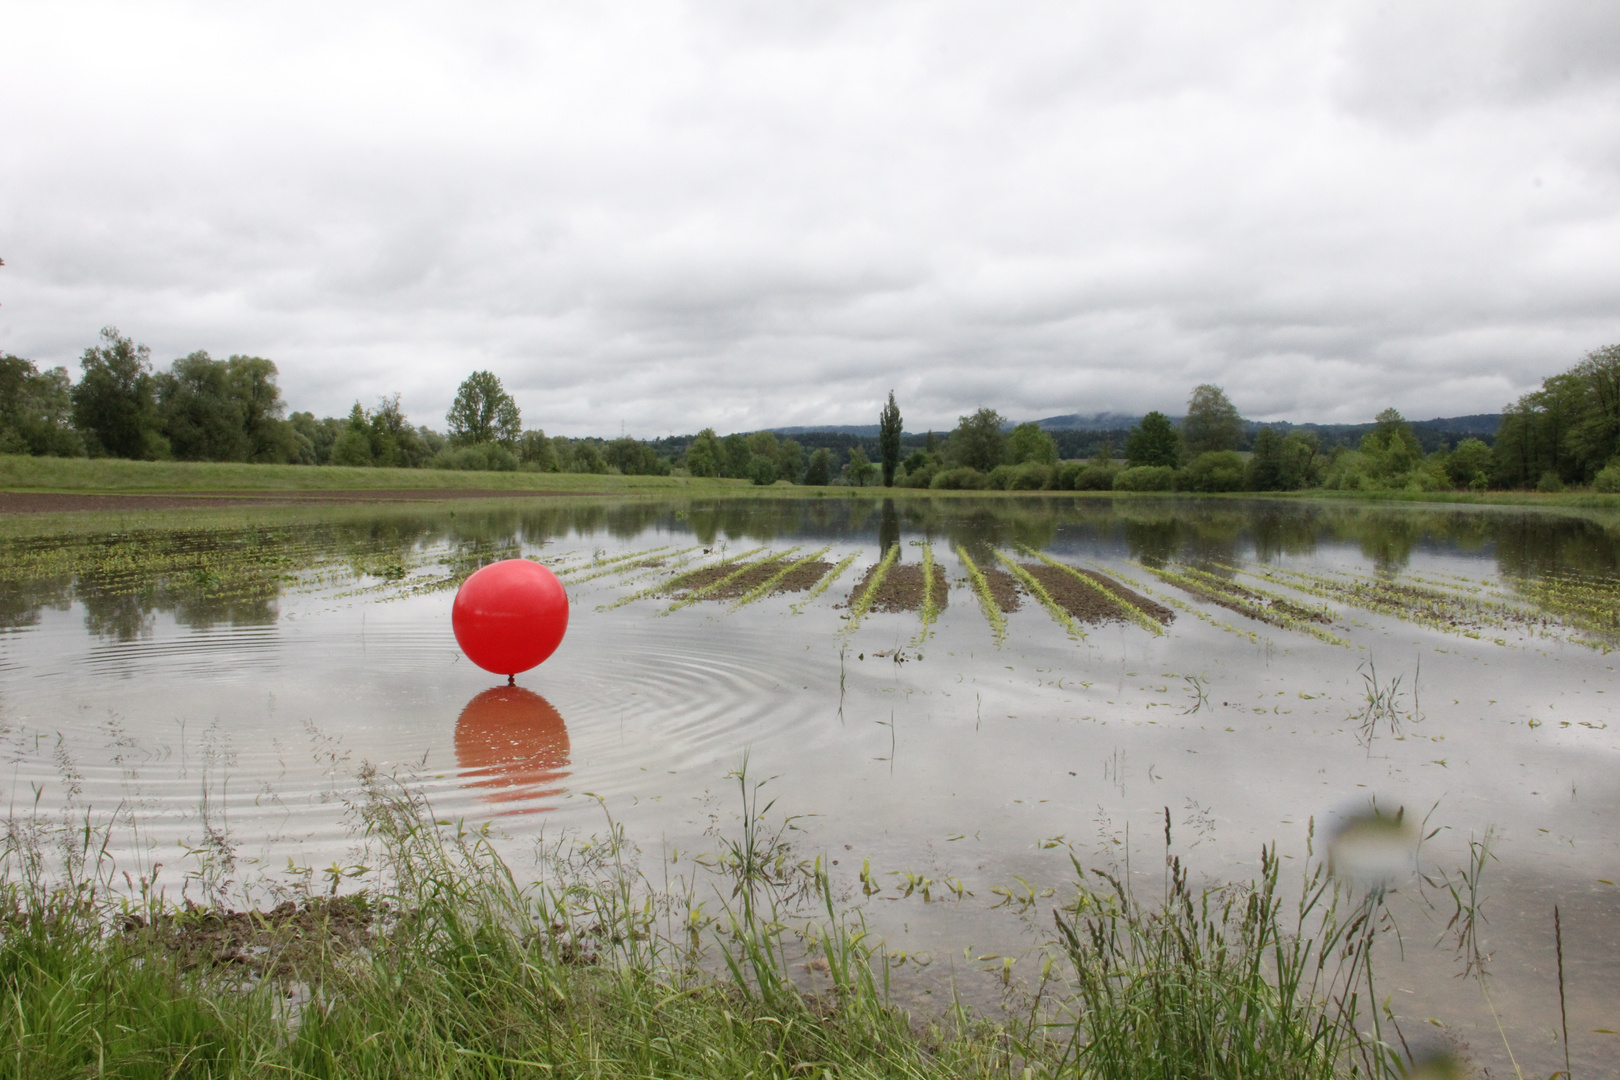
(510, 616)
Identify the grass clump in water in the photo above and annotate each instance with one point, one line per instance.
(1232, 982)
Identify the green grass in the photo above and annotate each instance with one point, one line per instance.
(452, 964)
(104, 475)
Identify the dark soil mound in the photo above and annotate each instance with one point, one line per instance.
(1004, 589)
(1087, 604)
(902, 588)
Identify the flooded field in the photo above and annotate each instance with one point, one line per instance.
(953, 700)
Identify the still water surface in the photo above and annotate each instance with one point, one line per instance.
(237, 679)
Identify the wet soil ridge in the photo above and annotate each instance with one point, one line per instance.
(282, 941)
(1469, 610)
(1091, 598)
(629, 564)
(824, 583)
(1262, 606)
(902, 589)
(1130, 605)
(796, 576)
(990, 602)
(867, 589)
(729, 582)
(1038, 591)
(677, 582)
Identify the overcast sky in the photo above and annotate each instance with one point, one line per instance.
(660, 216)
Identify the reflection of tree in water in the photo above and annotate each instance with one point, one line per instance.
(22, 601)
(1152, 542)
(234, 575)
(982, 526)
(119, 612)
(1536, 545)
(1283, 529)
(888, 527)
(197, 608)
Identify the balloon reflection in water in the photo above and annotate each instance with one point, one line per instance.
(513, 746)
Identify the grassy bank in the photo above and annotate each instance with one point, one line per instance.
(87, 476)
(103, 475)
(453, 965)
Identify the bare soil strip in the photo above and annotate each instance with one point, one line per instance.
(747, 576)
(1254, 606)
(1151, 608)
(1004, 589)
(902, 589)
(802, 577)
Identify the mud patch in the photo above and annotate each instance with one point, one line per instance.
(1154, 610)
(803, 577)
(281, 941)
(1004, 589)
(902, 589)
(1252, 605)
(751, 574)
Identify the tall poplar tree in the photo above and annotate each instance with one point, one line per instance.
(889, 439)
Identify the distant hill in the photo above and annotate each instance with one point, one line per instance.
(864, 431)
(1079, 435)
(1103, 421)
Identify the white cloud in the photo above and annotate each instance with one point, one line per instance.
(673, 215)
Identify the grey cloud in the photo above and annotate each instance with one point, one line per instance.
(737, 215)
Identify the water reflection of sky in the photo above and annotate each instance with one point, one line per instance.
(966, 760)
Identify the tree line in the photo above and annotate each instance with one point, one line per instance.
(1567, 433)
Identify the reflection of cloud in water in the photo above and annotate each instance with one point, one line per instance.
(512, 746)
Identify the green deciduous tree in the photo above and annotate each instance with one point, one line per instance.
(705, 456)
(36, 410)
(889, 432)
(1028, 443)
(202, 414)
(818, 470)
(1212, 422)
(1153, 443)
(736, 456)
(790, 461)
(977, 441)
(483, 412)
(860, 468)
(114, 402)
(1265, 470)
(537, 452)
(1470, 464)
(353, 446)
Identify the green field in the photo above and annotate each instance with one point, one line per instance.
(104, 475)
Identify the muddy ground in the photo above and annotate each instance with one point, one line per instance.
(1004, 589)
(1087, 604)
(902, 588)
(274, 942)
(754, 574)
(1254, 606)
